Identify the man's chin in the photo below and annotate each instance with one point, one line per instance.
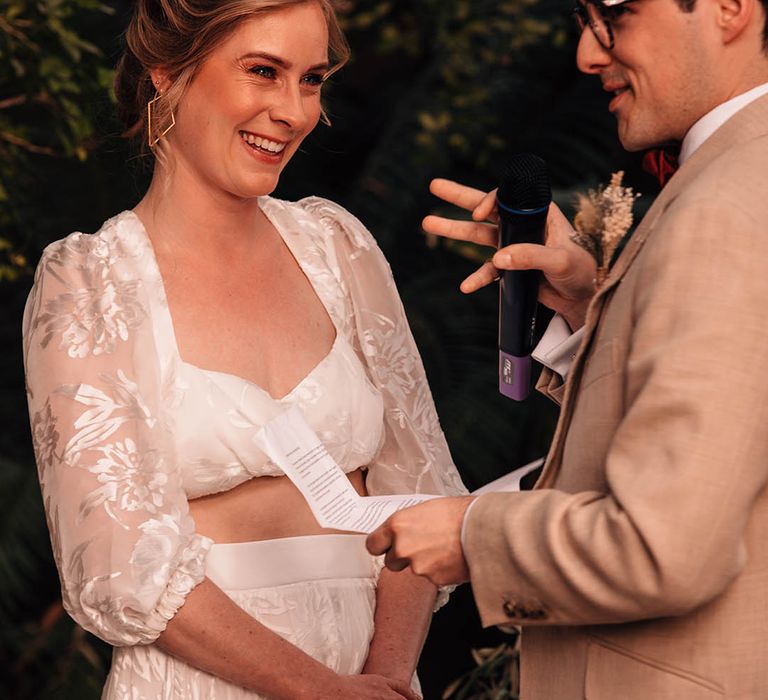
(631, 141)
(634, 139)
(633, 144)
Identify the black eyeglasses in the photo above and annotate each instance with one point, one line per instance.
(598, 15)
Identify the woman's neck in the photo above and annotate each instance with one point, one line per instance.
(179, 210)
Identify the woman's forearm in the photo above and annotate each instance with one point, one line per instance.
(404, 604)
(212, 633)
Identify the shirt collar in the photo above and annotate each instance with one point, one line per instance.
(712, 121)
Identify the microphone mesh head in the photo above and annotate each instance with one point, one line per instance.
(525, 183)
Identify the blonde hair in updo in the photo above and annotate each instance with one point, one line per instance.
(178, 35)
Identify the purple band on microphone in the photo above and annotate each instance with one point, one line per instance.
(514, 376)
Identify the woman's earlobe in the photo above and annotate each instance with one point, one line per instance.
(160, 80)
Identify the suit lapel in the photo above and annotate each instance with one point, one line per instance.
(747, 124)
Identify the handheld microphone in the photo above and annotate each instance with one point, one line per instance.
(523, 200)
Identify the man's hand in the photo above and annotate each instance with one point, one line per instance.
(569, 270)
(426, 537)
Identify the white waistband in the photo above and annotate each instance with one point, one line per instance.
(267, 563)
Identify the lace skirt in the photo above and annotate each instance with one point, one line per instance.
(318, 592)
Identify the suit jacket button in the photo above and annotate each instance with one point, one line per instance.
(520, 611)
(515, 610)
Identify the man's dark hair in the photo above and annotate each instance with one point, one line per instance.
(687, 6)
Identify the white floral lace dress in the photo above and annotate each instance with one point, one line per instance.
(125, 432)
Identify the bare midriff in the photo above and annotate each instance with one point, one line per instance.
(264, 508)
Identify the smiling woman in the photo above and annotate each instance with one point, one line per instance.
(238, 96)
(157, 347)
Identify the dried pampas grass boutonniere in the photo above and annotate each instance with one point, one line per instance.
(602, 220)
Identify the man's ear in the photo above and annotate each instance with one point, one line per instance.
(734, 17)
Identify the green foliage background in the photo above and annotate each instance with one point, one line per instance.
(443, 88)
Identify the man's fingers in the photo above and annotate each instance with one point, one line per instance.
(483, 276)
(471, 231)
(454, 193)
(553, 262)
(529, 256)
(394, 563)
(486, 210)
(380, 540)
(481, 204)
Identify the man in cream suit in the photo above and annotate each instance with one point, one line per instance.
(638, 567)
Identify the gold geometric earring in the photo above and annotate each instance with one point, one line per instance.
(153, 141)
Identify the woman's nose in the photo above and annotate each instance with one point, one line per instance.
(288, 107)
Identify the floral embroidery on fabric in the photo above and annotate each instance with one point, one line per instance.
(92, 320)
(97, 423)
(392, 361)
(93, 317)
(155, 551)
(132, 480)
(45, 438)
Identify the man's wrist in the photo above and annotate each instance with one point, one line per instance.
(575, 323)
(576, 315)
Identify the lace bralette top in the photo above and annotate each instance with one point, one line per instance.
(217, 414)
(220, 413)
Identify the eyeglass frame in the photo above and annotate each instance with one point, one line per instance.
(596, 18)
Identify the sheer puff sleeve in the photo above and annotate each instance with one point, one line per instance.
(122, 537)
(414, 455)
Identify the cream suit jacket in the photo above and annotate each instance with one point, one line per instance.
(638, 567)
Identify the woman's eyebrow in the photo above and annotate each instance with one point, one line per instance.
(282, 62)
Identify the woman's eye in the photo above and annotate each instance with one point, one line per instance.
(314, 79)
(264, 71)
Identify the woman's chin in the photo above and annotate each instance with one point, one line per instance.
(251, 187)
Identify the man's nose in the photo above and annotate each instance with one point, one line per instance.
(591, 55)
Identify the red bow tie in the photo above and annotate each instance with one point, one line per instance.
(661, 163)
